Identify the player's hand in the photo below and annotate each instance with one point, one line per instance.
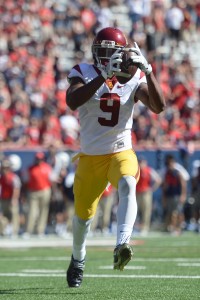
(113, 65)
(140, 61)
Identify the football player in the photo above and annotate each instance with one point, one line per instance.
(106, 112)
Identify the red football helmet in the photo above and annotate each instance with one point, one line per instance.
(106, 42)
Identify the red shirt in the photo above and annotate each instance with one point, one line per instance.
(39, 177)
(144, 183)
(33, 134)
(8, 182)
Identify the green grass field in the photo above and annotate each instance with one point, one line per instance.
(163, 268)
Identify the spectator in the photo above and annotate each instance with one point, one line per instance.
(16, 133)
(4, 94)
(174, 21)
(138, 9)
(70, 129)
(33, 132)
(68, 195)
(148, 183)
(50, 128)
(142, 128)
(37, 103)
(38, 185)
(10, 186)
(58, 211)
(105, 16)
(174, 191)
(196, 194)
(3, 129)
(158, 22)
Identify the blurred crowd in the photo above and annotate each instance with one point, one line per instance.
(40, 40)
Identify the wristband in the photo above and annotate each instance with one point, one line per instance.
(148, 70)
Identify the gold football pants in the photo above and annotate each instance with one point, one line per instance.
(93, 174)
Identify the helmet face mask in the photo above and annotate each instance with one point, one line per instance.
(106, 42)
(103, 54)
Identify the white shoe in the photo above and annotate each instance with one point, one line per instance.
(26, 236)
(8, 230)
(144, 233)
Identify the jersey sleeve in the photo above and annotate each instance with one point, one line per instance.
(75, 72)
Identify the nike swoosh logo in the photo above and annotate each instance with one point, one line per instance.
(119, 86)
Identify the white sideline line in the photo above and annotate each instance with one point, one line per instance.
(102, 276)
(62, 271)
(188, 265)
(42, 271)
(142, 276)
(67, 258)
(64, 258)
(167, 259)
(31, 258)
(127, 267)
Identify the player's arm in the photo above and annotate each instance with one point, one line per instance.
(16, 190)
(155, 179)
(183, 189)
(79, 93)
(150, 94)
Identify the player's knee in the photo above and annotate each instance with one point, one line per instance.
(84, 213)
(127, 185)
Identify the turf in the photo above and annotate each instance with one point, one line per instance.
(163, 268)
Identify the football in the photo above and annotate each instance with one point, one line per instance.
(128, 70)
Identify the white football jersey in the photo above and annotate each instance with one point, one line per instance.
(106, 119)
